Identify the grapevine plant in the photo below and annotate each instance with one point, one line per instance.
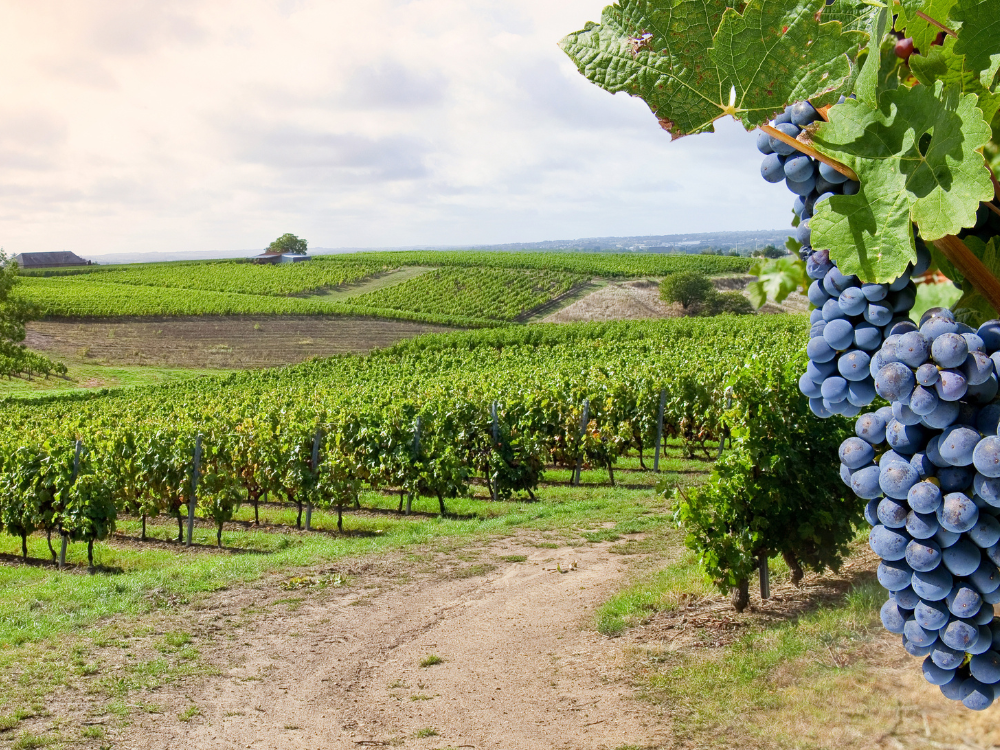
(882, 118)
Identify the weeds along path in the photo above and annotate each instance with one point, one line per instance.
(521, 668)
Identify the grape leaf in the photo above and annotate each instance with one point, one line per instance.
(657, 50)
(867, 85)
(980, 37)
(777, 279)
(918, 159)
(777, 52)
(853, 15)
(922, 32)
(663, 52)
(973, 308)
(942, 63)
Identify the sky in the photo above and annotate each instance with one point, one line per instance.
(204, 125)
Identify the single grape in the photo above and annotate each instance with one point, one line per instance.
(923, 401)
(912, 349)
(834, 390)
(851, 187)
(962, 558)
(975, 695)
(986, 667)
(945, 656)
(927, 374)
(916, 634)
(959, 634)
(957, 512)
(986, 532)
(865, 482)
(904, 48)
(832, 311)
(986, 578)
(923, 555)
(867, 336)
(921, 525)
(989, 332)
(938, 325)
(820, 351)
(986, 457)
(906, 598)
(871, 509)
(957, 445)
(932, 586)
(951, 386)
(856, 453)
(949, 350)
(903, 438)
(896, 479)
(893, 618)
(988, 488)
(861, 392)
(920, 462)
(839, 334)
(800, 188)
(799, 168)
(974, 343)
(803, 113)
(955, 478)
(983, 393)
(830, 174)
(878, 314)
(852, 301)
(924, 497)
(853, 365)
(895, 382)
(944, 414)
(964, 602)
(780, 147)
(904, 414)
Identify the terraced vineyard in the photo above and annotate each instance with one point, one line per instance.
(495, 293)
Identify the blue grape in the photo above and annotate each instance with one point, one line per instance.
(949, 350)
(977, 368)
(853, 365)
(912, 349)
(975, 343)
(896, 479)
(820, 351)
(861, 392)
(906, 598)
(895, 382)
(984, 642)
(781, 147)
(955, 478)
(904, 414)
(986, 667)
(929, 615)
(900, 282)
(962, 558)
(803, 113)
(944, 414)
(989, 332)
(921, 525)
(830, 174)
(945, 656)
(953, 690)
(901, 326)
(896, 574)
(984, 392)
(845, 475)
(986, 457)
(817, 296)
(964, 602)
(938, 326)
(820, 371)
(867, 336)
(977, 696)
(878, 314)
(986, 532)
(957, 513)
(871, 510)
(988, 489)
(927, 374)
(851, 187)
(799, 167)
(764, 143)
(922, 555)
(959, 634)
(889, 544)
(986, 578)
(809, 388)
(957, 445)
(992, 597)
(852, 301)
(924, 497)
(904, 438)
(925, 469)
(834, 389)
(893, 618)
(865, 483)
(874, 292)
(923, 401)
(891, 457)
(904, 298)
(772, 168)
(951, 386)
(917, 635)
(855, 453)
(985, 615)
(832, 311)
(946, 538)
(934, 674)
(932, 585)
(870, 428)
(839, 334)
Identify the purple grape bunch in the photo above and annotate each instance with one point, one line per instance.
(929, 467)
(851, 318)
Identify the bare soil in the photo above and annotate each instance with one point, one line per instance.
(521, 667)
(222, 342)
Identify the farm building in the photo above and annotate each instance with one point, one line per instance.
(50, 260)
(274, 258)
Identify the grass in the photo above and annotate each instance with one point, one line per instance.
(934, 295)
(425, 732)
(189, 713)
(88, 376)
(430, 660)
(514, 558)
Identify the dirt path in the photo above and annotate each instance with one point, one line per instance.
(522, 668)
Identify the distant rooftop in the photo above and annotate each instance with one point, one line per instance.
(50, 260)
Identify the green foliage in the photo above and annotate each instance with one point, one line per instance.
(972, 308)
(683, 57)
(728, 303)
(980, 23)
(778, 491)
(15, 311)
(777, 279)
(494, 293)
(900, 152)
(688, 288)
(289, 243)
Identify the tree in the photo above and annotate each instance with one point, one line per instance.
(288, 243)
(687, 287)
(15, 358)
(770, 251)
(733, 303)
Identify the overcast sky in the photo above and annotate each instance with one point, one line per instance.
(169, 125)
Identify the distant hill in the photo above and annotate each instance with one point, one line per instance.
(744, 242)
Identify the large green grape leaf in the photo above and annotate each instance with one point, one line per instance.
(918, 159)
(922, 32)
(867, 86)
(973, 308)
(657, 50)
(663, 51)
(942, 63)
(980, 37)
(776, 52)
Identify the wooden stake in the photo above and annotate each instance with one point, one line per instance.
(765, 578)
(583, 432)
(659, 429)
(971, 268)
(810, 151)
(315, 467)
(193, 500)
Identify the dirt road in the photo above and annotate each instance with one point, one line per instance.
(522, 668)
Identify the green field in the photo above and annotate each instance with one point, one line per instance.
(468, 289)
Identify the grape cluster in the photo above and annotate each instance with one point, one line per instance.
(851, 319)
(929, 465)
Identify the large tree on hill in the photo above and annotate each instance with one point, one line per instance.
(289, 243)
(15, 358)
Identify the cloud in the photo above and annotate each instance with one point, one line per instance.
(220, 124)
